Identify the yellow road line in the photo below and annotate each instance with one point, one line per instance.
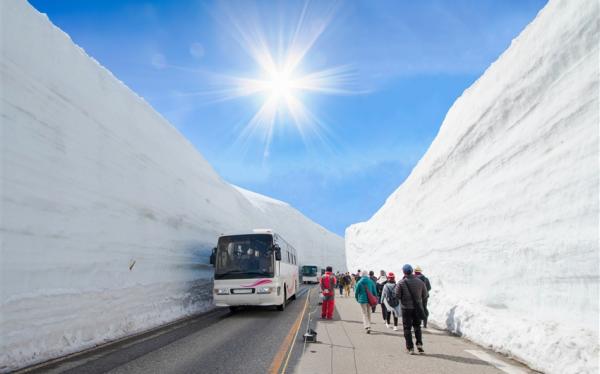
(288, 343)
(296, 335)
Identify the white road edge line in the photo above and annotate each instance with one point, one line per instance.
(504, 366)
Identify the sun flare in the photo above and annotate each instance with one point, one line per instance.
(283, 79)
(280, 84)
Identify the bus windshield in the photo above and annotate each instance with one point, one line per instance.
(244, 256)
(309, 271)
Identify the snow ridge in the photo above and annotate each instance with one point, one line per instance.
(258, 200)
(502, 211)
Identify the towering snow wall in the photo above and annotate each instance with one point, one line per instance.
(107, 213)
(318, 246)
(502, 210)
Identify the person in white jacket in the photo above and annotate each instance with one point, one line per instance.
(379, 284)
(389, 301)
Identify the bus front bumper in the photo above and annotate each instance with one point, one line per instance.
(249, 299)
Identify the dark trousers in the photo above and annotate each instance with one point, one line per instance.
(341, 290)
(384, 311)
(426, 312)
(388, 316)
(409, 321)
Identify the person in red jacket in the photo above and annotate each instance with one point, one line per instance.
(328, 283)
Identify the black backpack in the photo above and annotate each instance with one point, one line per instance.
(390, 297)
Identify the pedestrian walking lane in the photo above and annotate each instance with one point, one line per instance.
(344, 347)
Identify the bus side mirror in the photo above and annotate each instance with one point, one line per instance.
(213, 255)
(277, 252)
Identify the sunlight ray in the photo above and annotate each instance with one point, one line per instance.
(282, 79)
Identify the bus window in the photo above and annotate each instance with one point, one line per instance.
(244, 256)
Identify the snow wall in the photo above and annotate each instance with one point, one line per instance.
(502, 210)
(108, 213)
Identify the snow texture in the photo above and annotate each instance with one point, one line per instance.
(108, 213)
(502, 211)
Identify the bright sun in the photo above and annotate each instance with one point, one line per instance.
(282, 77)
(280, 85)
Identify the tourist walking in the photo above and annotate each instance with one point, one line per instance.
(348, 282)
(341, 282)
(361, 292)
(353, 280)
(419, 274)
(328, 292)
(339, 279)
(379, 284)
(357, 275)
(374, 279)
(411, 291)
(389, 303)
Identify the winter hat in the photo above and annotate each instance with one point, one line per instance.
(407, 269)
(391, 275)
(418, 269)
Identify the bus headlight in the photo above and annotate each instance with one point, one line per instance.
(265, 289)
(222, 291)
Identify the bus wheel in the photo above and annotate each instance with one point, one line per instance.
(281, 307)
(295, 292)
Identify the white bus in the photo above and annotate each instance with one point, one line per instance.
(311, 274)
(254, 269)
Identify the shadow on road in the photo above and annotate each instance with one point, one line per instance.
(462, 360)
(254, 311)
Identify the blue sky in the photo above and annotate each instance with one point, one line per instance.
(405, 63)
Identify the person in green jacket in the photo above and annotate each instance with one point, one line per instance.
(360, 293)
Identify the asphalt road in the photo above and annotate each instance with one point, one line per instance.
(264, 340)
(252, 340)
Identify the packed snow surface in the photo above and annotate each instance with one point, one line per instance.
(107, 213)
(502, 211)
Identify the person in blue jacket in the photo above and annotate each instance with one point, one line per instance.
(360, 293)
